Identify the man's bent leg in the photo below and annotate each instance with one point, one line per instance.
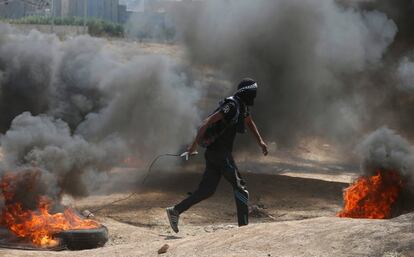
(241, 195)
(206, 188)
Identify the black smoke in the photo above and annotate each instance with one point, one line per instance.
(73, 109)
(325, 68)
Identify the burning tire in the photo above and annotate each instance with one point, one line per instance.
(83, 239)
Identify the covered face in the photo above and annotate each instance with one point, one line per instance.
(246, 91)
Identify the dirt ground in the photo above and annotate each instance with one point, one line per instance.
(294, 199)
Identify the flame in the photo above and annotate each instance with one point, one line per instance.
(372, 197)
(39, 226)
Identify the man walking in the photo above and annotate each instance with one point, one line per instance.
(217, 135)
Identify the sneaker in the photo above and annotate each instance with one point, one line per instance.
(173, 217)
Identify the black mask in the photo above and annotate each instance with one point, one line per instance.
(247, 97)
(246, 91)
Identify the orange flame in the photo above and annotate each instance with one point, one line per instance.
(38, 226)
(372, 197)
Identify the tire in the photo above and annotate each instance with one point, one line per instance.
(83, 239)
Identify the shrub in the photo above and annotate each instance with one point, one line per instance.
(96, 27)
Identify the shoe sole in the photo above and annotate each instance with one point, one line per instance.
(171, 225)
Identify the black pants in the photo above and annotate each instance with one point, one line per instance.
(218, 164)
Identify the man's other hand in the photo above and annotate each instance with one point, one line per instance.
(192, 148)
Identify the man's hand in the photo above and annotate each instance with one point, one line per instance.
(264, 148)
(192, 148)
(250, 123)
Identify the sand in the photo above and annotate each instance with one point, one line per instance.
(295, 198)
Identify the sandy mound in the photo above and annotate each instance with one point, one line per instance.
(294, 202)
(312, 237)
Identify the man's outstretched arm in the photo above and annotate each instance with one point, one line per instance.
(253, 128)
(204, 125)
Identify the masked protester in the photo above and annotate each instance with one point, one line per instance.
(217, 135)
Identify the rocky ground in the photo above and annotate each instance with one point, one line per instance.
(294, 200)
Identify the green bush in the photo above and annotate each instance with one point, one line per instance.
(96, 27)
(99, 27)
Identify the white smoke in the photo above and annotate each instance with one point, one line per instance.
(405, 73)
(351, 40)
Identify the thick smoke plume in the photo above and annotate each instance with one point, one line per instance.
(320, 64)
(45, 143)
(386, 150)
(74, 108)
